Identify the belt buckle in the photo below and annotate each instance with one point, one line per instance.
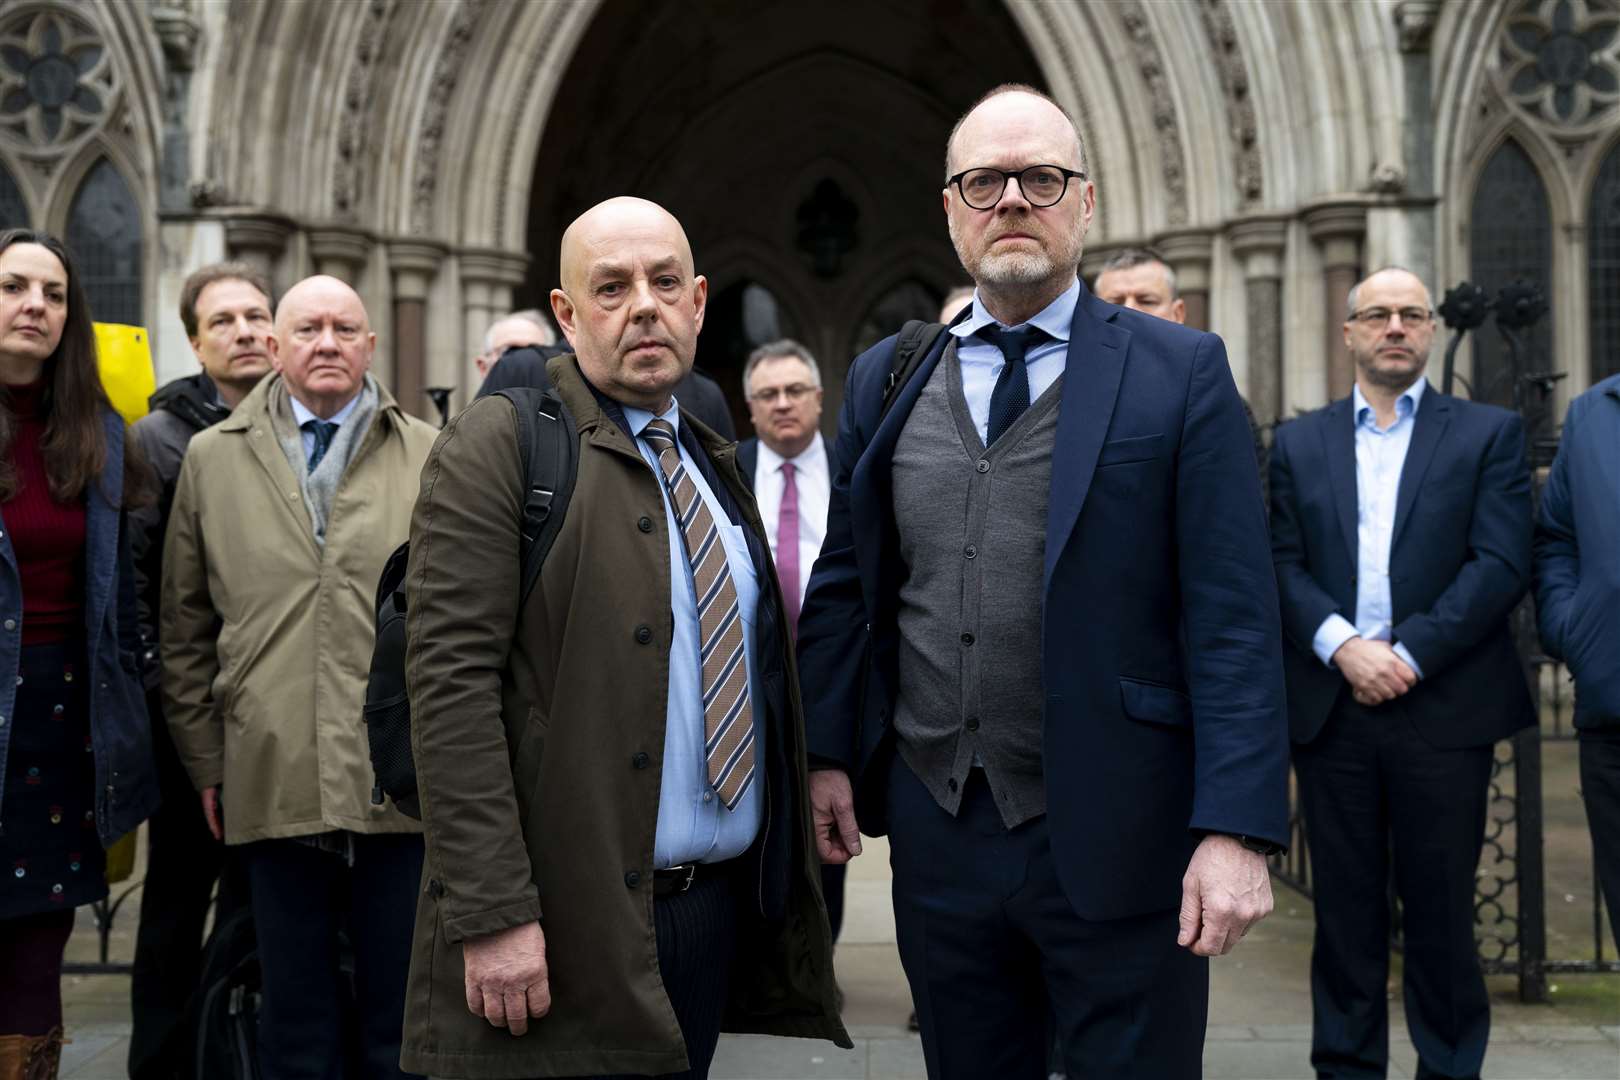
(686, 881)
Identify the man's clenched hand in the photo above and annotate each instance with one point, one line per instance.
(1375, 671)
(506, 977)
(1226, 890)
(832, 810)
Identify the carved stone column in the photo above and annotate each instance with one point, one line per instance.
(258, 239)
(1337, 228)
(415, 264)
(340, 251)
(488, 277)
(1188, 252)
(1259, 242)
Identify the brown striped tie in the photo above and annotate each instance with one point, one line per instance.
(728, 715)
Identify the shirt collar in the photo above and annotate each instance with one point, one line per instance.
(638, 419)
(1055, 318)
(809, 455)
(302, 415)
(1405, 405)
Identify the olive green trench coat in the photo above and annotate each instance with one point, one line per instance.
(539, 734)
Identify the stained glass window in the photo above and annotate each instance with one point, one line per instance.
(13, 211)
(104, 234)
(1603, 267)
(1511, 232)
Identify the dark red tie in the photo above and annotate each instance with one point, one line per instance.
(787, 547)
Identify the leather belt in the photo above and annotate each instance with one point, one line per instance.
(674, 880)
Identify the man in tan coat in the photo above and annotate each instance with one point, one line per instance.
(284, 515)
(612, 774)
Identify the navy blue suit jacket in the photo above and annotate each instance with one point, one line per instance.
(1459, 561)
(748, 461)
(1161, 670)
(1578, 554)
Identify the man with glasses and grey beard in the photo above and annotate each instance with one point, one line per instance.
(1400, 523)
(1040, 647)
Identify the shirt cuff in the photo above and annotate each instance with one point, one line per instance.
(1334, 631)
(1411, 662)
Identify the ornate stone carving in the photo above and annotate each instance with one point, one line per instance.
(177, 32)
(1414, 22)
(354, 119)
(1386, 178)
(1241, 124)
(1166, 126)
(208, 192)
(58, 84)
(1559, 61)
(446, 71)
(1052, 26)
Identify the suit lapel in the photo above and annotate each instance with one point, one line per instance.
(1339, 448)
(1434, 413)
(1093, 370)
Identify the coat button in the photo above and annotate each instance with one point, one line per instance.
(644, 633)
(951, 784)
(639, 760)
(972, 723)
(967, 639)
(435, 888)
(970, 552)
(645, 524)
(632, 878)
(983, 466)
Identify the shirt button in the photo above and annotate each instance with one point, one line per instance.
(645, 524)
(11, 624)
(644, 633)
(951, 785)
(639, 760)
(967, 639)
(972, 723)
(708, 796)
(983, 466)
(632, 879)
(971, 552)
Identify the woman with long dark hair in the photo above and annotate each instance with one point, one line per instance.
(76, 767)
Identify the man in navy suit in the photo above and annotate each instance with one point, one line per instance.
(1042, 637)
(1400, 523)
(1578, 605)
(789, 466)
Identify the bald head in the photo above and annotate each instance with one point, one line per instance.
(323, 343)
(631, 302)
(1015, 111)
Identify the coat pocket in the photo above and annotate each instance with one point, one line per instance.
(1126, 451)
(1155, 703)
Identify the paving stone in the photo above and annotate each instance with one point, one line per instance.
(1559, 1033)
(896, 1059)
(759, 1057)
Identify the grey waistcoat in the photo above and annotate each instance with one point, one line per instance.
(972, 527)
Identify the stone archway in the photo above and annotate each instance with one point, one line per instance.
(806, 162)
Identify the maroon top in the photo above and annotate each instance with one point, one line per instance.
(46, 536)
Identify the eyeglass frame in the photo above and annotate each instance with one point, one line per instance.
(768, 397)
(1014, 174)
(1360, 319)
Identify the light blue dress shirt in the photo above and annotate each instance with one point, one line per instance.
(1380, 456)
(693, 824)
(982, 362)
(302, 416)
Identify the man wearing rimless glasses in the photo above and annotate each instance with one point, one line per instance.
(1040, 648)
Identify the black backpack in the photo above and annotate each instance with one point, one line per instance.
(547, 441)
(912, 346)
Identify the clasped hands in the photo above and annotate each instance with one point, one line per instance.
(1375, 671)
(1226, 890)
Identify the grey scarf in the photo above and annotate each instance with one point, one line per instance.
(321, 485)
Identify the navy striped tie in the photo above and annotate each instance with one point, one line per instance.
(728, 715)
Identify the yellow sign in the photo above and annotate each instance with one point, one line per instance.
(125, 356)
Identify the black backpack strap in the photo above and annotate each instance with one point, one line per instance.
(547, 441)
(912, 346)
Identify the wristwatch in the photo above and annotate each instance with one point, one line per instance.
(1258, 846)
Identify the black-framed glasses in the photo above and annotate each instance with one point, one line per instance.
(1042, 185)
(1376, 318)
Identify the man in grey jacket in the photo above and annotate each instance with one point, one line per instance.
(225, 308)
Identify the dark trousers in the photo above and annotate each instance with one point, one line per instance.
(832, 889)
(31, 948)
(1600, 788)
(183, 862)
(992, 948)
(697, 936)
(1375, 794)
(310, 1022)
